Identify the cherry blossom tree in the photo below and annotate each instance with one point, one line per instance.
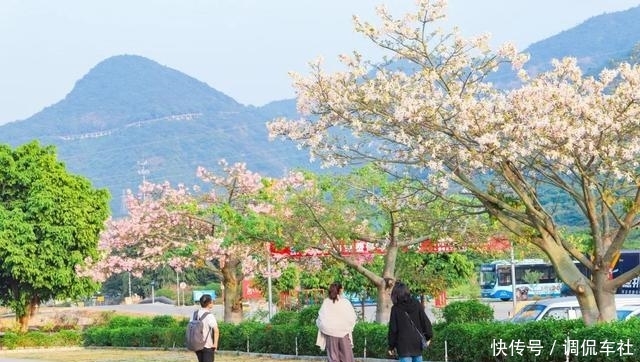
(434, 114)
(224, 228)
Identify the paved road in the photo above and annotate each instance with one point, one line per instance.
(502, 310)
(157, 309)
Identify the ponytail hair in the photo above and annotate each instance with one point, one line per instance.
(334, 291)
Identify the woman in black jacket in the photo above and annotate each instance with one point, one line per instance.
(407, 319)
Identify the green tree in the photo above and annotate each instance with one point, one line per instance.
(50, 221)
(432, 273)
(392, 214)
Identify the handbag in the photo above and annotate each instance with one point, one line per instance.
(423, 341)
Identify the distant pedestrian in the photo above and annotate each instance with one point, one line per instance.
(335, 322)
(210, 326)
(406, 323)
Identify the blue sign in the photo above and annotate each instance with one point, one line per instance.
(199, 293)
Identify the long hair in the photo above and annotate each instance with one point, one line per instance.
(400, 293)
(334, 291)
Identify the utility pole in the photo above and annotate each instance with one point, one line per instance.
(143, 171)
(513, 281)
(123, 202)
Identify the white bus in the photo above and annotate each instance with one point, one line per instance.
(495, 279)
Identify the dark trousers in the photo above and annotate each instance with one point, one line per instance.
(339, 349)
(205, 355)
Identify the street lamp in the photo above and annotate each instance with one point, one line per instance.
(153, 292)
(269, 288)
(513, 280)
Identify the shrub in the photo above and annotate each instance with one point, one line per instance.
(308, 315)
(68, 338)
(285, 317)
(164, 321)
(467, 311)
(118, 321)
(372, 336)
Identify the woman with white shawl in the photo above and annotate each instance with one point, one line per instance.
(335, 322)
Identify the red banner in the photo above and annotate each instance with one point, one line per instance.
(358, 247)
(493, 244)
(249, 292)
(430, 246)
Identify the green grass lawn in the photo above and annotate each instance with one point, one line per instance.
(125, 355)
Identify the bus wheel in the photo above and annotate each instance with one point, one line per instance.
(505, 299)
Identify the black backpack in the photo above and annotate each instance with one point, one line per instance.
(195, 338)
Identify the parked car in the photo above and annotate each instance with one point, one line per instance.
(563, 308)
(627, 312)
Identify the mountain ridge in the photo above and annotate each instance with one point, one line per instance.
(130, 117)
(613, 34)
(175, 124)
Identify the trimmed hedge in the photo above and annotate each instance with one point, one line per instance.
(465, 342)
(472, 342)
(467, 311)
(64, 338)
(542, 341)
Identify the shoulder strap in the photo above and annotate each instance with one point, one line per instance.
(208, 329)
(411, 320)
(195, 315)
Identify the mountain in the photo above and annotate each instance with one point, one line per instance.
(130, 118)
(596, 43)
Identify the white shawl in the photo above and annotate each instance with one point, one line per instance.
(335, 319)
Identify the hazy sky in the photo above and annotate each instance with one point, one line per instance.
(243, 48)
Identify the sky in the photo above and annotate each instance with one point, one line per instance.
(243, 48)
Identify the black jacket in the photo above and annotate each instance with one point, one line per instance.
(402, 336)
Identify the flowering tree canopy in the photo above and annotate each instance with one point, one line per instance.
(390, 217)
(224, 227)
(435, 112)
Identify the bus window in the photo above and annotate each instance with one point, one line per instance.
(547, 273)
(488, 279)
(504, 277)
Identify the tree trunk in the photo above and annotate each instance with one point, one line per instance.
(29, 311)
(232, 291)
(596, 296)
(383, 309)
(604, 297)
(24, 322)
